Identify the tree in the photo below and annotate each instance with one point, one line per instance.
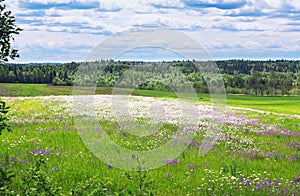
(255, 81)
(7, 29)
(273, 82)
(286, 85)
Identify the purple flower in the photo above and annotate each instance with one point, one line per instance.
(167, 175)
(268, 183)
(296, 180)
(282, 191)
(294, 145)
(192, 166)
(41, 152)
(109, 165)
(294, 157)
(206, 145)
(248, 183)
(193, 143)
(172, 162)
(97, 128)
(277, 182)
(241, 180)
(24, 161)
(258, 186)
(10, 159)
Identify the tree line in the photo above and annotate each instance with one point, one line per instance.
(280, 77)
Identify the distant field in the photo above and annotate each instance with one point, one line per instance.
(280, 104)
(17, 90)
(287, 105)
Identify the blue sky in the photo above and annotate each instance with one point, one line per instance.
(67, 30)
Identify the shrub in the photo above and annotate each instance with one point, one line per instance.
(3, 117)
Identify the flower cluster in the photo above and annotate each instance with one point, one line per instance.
(41, 152)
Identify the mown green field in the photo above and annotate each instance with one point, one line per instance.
(254, 153)
(285, 105)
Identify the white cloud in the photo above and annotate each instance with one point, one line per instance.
(295, 4)
(252, 45)
(167, 4)
(226, 26)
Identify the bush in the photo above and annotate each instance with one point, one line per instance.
(296, 91)
(3, 118)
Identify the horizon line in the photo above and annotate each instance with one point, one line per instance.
(153, 60)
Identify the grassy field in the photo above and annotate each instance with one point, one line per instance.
(13, 90)
(280, 104)
(285, 105)
(254, 153)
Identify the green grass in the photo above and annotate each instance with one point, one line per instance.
(285, 104)
(280, 104)
(17, 90)
(48, 125)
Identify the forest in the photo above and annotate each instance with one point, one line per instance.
(261, 78)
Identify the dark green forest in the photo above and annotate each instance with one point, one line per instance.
(261, 78)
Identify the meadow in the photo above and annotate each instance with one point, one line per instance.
(277, 104)
(254, 153)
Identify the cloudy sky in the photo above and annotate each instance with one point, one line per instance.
(67, 30)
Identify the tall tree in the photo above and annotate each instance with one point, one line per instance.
(273, 82)
(7, 29)
(255, 81)
(286, 85)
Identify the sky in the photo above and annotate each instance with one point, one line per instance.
(68, 30)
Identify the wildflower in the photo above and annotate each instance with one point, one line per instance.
(97, 128)
(248, 183)
(258, 186)
(268, 183)
(167, 175)
(241, 180)
(41, 152)
(192, 166)
(109, 166)
(10, 159)
(282, 191)
(296, 180)
(294, 145)
(172, 162)
(24, 161)
(277, 182)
